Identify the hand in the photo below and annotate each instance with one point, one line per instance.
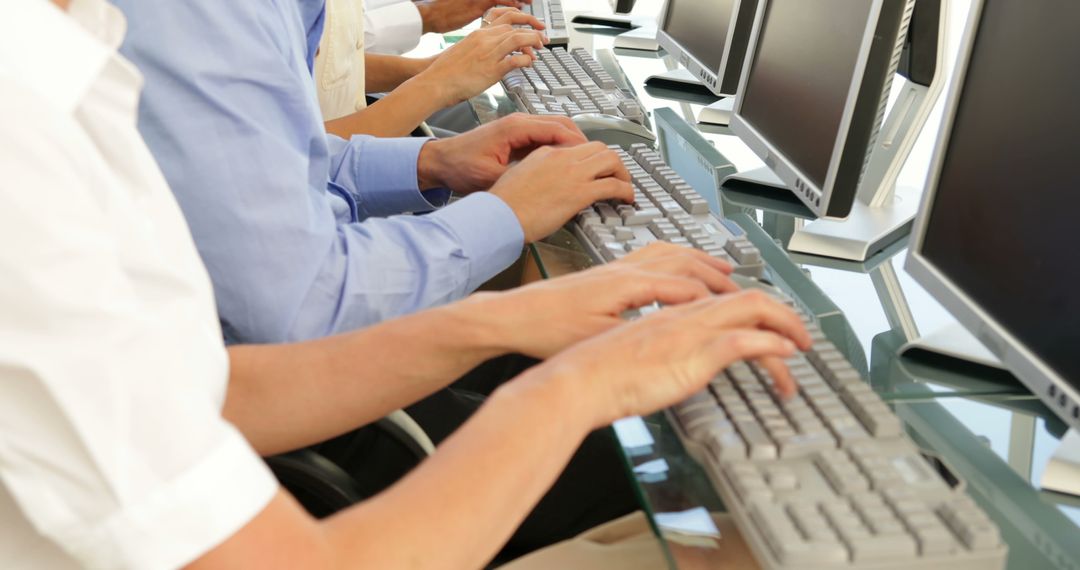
(511, 16)
(553, 184)
(475, 160)
(447, 15)
(544, 318)
(479, 61)
(666, 357)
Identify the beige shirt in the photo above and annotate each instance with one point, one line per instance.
(339, 65)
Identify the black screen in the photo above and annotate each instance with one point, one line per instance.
(807, 54)
(700, 27)
(1003, 227)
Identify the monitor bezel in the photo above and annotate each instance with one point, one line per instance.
(814, 196)
(1035, 374)
(711, 78)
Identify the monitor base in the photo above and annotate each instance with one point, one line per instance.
(955, 342)
(1062, 473)
(867, 230)
(641, 39)
(718, 113)
(763, 176)
(678, 78)
(623, 21)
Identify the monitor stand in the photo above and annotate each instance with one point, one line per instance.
(640, 34)
(1062, 473)
(955, 342)
(679, 79)
(882, 212)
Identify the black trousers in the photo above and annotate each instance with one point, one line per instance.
(593, 489)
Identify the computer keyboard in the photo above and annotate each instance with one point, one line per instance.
(550, 13)
(569, 83)
(665, 208)
(829, 478)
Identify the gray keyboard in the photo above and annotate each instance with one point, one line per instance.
(829, 479)
(667, 209)
(550, 12)
(569, 83)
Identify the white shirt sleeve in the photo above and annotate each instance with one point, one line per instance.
(112, 442)
(391, 27)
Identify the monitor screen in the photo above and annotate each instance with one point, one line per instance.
(806, 58)
(700, 27)
(1003, 223)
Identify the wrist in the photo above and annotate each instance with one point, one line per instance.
(479, 320)
(429, 165)
(428, 15)
(559, 387)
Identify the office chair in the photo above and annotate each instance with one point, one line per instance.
(323, 487)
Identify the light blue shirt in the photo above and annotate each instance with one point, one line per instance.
(291, 221)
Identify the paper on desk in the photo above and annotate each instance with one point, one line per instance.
(694, 527)
(634, 435)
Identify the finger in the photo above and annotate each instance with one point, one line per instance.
(518, 40)
(782, 380)
(514, 62)
(605, 163)
(511, 3)
(690, 266)
(663, 250)
(533, 131)
(516, 17)
(609, 189)
(748, 344)
(754, 308)
(635, 289)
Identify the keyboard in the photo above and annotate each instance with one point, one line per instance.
(550, 13)
(665, 208)
(829, 478)
(569, 83)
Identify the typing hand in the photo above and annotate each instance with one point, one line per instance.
(544, 318)
(665, 357)
(448, 15)
(480, 60)
(511, 16)
(475, 160)
(552, 184)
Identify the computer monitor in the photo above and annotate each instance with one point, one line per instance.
(995, 240)
(709, 39)
(814, 90)
(621, 6)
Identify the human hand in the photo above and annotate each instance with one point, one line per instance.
(479, 61)
(551, 185)
(665, 357)
(512, 16)
(476, 159)
(442, 16)
(544, 318)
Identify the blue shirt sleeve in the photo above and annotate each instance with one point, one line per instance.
(276, 207)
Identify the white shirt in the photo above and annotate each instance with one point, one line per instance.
(113, 451)
(391, 26)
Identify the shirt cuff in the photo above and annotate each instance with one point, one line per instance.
(489, 232)
(392, 29)
(187, 517)
(393, 163)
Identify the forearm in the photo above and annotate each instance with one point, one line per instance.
(518, 442)
(395, 115)
(384, 73)
(283, 397)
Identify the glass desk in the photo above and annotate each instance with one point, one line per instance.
(981, 424)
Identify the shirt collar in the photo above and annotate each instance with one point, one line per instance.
(57, 54)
